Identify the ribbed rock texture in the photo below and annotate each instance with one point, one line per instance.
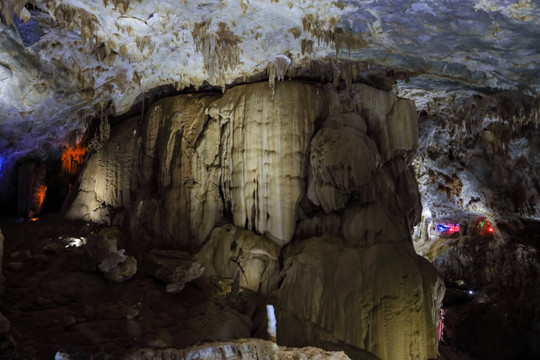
(247, 349)
(254, 152)
(356, 279)
(316, 175)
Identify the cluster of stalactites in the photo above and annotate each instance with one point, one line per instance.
(219, 48)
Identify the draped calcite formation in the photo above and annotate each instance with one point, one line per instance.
(254, 151)
(316, 176)
(356, 280)
(147, 167)
(383, 299)
(184, 172)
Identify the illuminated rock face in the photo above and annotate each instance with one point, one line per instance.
(246, 159)
(364, 285)
(254, 151)
(250, 260)
(323, 170)
(383, 299)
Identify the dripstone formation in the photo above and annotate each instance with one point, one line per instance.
(315, 175)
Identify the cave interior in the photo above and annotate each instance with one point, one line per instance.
(176, 180)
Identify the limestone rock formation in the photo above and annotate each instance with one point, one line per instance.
(240, 255)
(356, 279)
(493, 287)
(254, 151)
(247, 349)
(248, 175)
(375, 299)
(112, 262)
(148, 168)
(176, 268)
(247, 159)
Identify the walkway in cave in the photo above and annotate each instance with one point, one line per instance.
(56, 299)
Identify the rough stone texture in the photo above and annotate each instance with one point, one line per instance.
(341, 160)
(391, 122)
(479, 154)
(240, 255)
(111, 261)
(493, 293)
(247, 349)
(174, 267)
(147, 168)
(376, 298)
(59, 301)
(247, 159)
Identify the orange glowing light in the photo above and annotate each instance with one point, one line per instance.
(34, 219)
(72, 158)
(39, 196)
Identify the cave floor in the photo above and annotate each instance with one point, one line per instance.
(56, 299)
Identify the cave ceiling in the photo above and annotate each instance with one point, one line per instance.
(61, 62)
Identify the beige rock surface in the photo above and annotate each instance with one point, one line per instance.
(247, 159)
(236, 253)
(392, 121)
(247, 349)
(341, 160)
(256, 147)
(383, 299)
(329, 166)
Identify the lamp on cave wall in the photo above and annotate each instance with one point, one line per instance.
(447, 229)
(484, 227)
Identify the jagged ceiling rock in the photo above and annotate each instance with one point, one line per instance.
(93, 52)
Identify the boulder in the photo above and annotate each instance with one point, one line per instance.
(176, 268)
(111, 261)
(233, 253)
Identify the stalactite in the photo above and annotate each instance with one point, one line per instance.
(277, 68)
(328, 32)
(103, 132)
(219, 49)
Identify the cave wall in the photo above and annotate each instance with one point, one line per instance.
(478, 157)
(320, 172)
